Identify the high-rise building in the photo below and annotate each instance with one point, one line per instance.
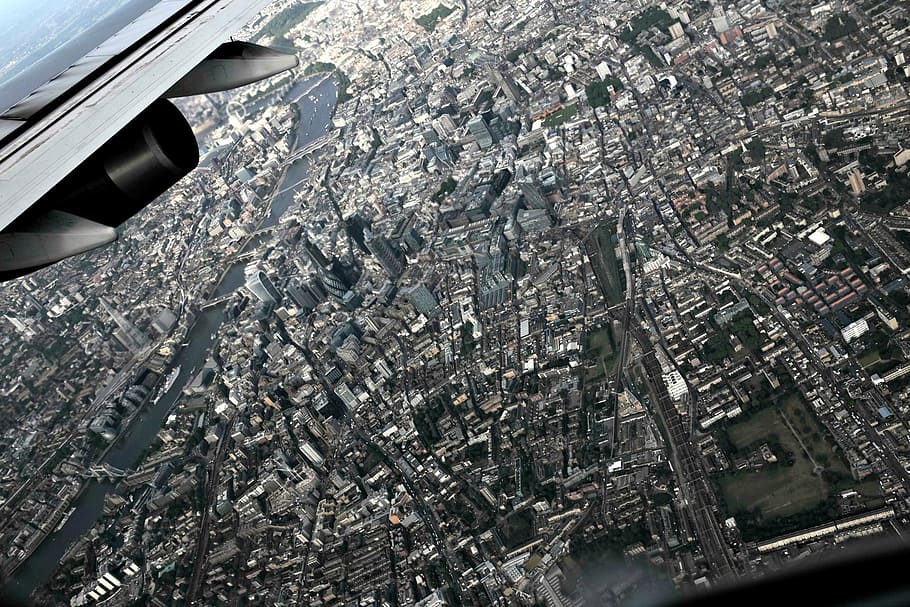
(347, 396)
(349, 350)
(493, 289)
(127, 334)
(534, 220)
(405, 234)
(385, 252)
(329, 273)
(259, 284)
(412, 240)
(437, 599)
(444, 126)
(430, 136)
(856, 182)
(534, 198)
(164, 322)
(303, 295)
(24, 330)
(676, 31)
(504, 82)
(423, 300)
(854, 330)
(481, 133)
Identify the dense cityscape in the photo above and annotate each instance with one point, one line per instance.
(485, 304)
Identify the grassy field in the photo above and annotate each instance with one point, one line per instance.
(869, 359)
(601, 346)
(517, 528)
(562, 116)
(870, 489)
(780, 490)
(428, 22)
(813, 435)
(873, 362)
(287, 19)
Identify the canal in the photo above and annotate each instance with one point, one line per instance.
(316, 99)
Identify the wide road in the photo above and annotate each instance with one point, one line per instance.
(211, 488)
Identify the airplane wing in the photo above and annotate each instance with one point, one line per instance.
(97, 142)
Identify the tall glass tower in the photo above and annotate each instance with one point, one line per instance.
(260, 285)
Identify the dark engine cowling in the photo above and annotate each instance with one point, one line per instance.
(149, 155)
(152, 153)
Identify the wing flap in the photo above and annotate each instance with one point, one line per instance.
(54, 88)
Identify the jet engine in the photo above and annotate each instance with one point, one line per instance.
(148, 156)
(152, 153)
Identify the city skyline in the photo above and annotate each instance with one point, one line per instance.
(516, 304)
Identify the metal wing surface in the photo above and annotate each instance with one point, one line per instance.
(53, 130)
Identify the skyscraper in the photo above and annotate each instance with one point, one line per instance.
(127, 334)
(534, 198)
(534, 220)
(497, 78)
(480, 132)
(494, 283)
(164, 322)
(259, 284)
(303, 295)
(24, 330)
(423, 300)
(330, 275)
(385, 252)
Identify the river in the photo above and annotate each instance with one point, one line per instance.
(316, 109)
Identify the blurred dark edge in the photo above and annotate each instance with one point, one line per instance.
(872, 573)
(867, 573)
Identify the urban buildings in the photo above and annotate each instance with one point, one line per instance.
(621, 323)
(387, 255)
(259, 284)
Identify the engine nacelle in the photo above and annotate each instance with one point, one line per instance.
(233, 64)
(149, 155)
(152, 153)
